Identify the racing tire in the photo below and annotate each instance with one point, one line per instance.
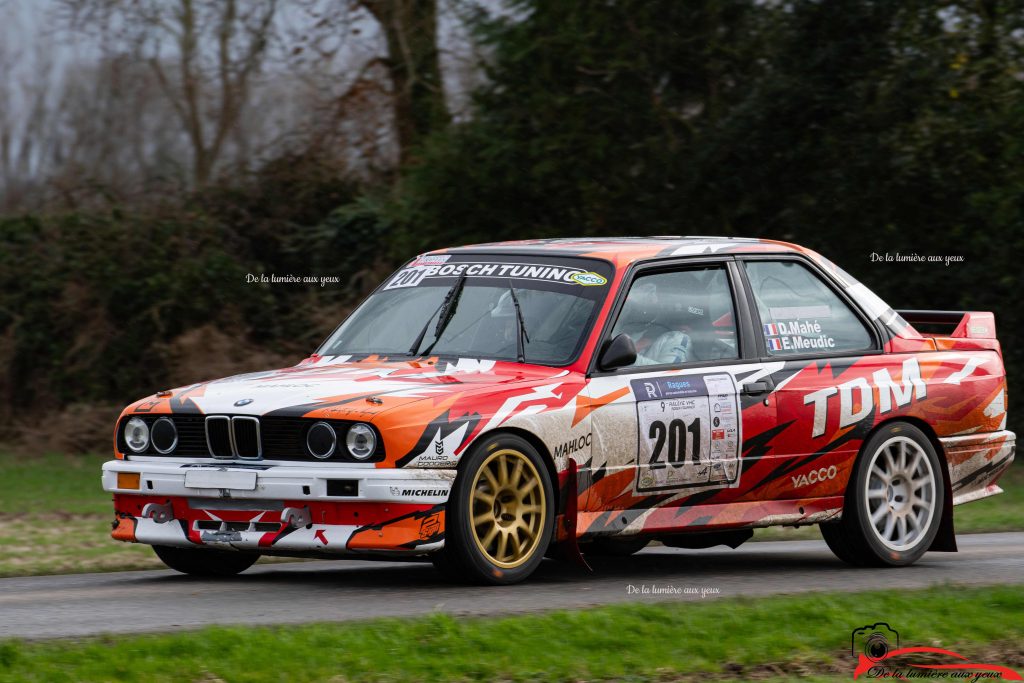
(204, 562)
(894, 501)
(500, 516)
(835, 539)
(449, 568)
(615, 547)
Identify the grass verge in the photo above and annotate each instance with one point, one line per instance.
(786, 636)
(55, 518)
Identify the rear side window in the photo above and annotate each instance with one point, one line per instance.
(800, 314)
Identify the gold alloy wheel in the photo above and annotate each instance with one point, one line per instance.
(508, 508)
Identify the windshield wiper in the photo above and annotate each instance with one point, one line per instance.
(520, 326)
(423, 332)
(447, 310)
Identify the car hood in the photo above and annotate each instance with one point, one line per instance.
(341, 387)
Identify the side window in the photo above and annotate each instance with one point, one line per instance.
(800, 314)
(679, 317)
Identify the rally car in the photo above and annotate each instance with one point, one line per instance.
(488, 406)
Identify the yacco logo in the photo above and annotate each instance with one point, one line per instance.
(588, 279)
(890, 395)
(815, 476)
(570, 447)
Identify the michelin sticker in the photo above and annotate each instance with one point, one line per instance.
(689, 432)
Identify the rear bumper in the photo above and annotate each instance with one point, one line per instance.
(284, 509)
(976, 461)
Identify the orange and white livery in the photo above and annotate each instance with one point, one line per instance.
(491, 405)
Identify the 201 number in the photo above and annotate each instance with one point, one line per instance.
(681, 442)
(407, 278)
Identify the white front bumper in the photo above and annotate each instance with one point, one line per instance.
(294, 481)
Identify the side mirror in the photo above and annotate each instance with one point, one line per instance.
(617, 353)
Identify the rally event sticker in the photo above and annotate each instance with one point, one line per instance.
(689, 431)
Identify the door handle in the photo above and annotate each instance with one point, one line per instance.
(755, 388)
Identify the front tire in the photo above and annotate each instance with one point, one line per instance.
(205, 562)
(500, 516)
(894, 501)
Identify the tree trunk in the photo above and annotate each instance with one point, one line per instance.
(410, 27)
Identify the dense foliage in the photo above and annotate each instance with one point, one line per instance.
(881, 127)
(106, 307)
(886, 127)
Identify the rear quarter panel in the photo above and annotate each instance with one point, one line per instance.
(829, 407)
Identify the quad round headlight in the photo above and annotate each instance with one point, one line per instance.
(164, 435)
(321, 440)
(361, 441)
(136, 435)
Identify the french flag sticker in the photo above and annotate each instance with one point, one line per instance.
(771, 330)
(774, 344)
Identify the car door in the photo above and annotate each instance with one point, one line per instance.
(671, 424)
(806, 321)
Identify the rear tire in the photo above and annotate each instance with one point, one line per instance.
(894, 501)
(500, 515)
(835, 539)
(205, 562)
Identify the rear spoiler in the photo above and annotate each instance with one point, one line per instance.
(963, 324)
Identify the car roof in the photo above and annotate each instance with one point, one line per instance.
(625, 250)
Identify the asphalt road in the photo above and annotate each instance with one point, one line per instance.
(148, 601)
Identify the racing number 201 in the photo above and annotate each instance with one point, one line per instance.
(682, 441)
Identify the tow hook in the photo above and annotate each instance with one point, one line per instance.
(296, 517)
(159, 513)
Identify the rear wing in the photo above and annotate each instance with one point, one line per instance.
(954, 324)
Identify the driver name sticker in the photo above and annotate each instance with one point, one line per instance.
(689, 432)
(797, 335)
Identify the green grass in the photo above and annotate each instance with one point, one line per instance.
(1004, 512)
(40, 485)
(55, 518)
(729, 638)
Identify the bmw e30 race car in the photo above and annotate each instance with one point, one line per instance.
(490, 405)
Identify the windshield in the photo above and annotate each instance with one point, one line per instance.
(465, 305)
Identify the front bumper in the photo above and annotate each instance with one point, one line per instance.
(278, 509)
